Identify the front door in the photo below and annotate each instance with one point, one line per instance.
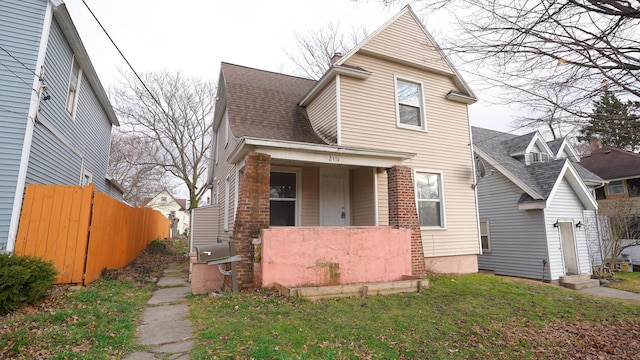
(334, 197)
(568, 248)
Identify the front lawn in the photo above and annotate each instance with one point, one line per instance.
(473, 316)
(630, 281)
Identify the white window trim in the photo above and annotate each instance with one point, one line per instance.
(423, 116)
(226, 128)
(74, 106)
(298, 172)
(86, 173)
(488, 249)
(443, 211)
(624, 188)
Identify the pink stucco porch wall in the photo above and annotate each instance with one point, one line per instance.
(293, 256)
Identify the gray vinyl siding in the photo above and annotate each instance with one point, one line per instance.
(204, 225)
(565, 205)
(63, 145)
(21, 24)
(517, 238)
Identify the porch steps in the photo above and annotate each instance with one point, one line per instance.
(578, 282)
(314, 293)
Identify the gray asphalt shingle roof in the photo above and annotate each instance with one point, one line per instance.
(541, 177)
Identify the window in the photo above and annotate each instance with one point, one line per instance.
(74, 86)
(484, 235)
(429, 199)
(538, 157)
(282, 199)
(226, 204)
(410, 111)
(87, 177)
(616, 188)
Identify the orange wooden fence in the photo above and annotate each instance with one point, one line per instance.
(83, 231)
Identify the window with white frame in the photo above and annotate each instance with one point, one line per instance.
(283, 199)
(535, 157)
(409, 102)
(87, 177)
(74, 87)
(616, 188)
(484, 235)
(429, 199)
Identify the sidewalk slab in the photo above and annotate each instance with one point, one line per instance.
(172, 281)
(169, 295)
(168, 332)
(165, 313)
(608, 292)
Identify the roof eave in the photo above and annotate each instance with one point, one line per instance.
(328, 76)
(459, 97)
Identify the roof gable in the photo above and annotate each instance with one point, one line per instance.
(612, 163)
(404, 39)
(524, 144)
(182, 203)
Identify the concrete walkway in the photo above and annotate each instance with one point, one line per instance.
(608, 292)
(165, 328)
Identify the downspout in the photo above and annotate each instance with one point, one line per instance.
(28, 135)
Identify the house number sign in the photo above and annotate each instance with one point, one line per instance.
(335, 159)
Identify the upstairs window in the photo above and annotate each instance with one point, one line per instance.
(74, 87)
(535, 157)
(410, 109)
(430, 199)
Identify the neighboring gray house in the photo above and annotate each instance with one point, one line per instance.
(537, 207)
(55, 117)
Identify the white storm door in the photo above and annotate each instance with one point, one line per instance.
(334, 197)
(568, 248)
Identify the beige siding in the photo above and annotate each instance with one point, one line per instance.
(310, 202)
(204, 225)
(362, 199)
(322, 113)
(383, 198)
(370, 105)
(405, 41)
(220, 172)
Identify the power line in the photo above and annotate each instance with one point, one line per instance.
(125, 59)
(17, 76)
(18, 60)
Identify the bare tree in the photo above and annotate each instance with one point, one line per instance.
(132, 166)
(583, 47)
(174, 115)
(620, 223)
(315, 48)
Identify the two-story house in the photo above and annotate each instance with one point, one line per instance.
(173, 208)
(375, 153)
(55, 117)
(536, 205)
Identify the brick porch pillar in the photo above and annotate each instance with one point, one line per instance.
(403, 212)
(252, 214)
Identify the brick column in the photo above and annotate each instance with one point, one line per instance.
(403, 212)
(252, 214)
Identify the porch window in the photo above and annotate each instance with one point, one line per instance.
(484, 235)
(282, 199)
(410, 111)
(616, 188)
(429, 199)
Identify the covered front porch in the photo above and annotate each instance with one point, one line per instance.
(324, 195)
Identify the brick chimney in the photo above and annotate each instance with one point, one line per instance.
(336, 56)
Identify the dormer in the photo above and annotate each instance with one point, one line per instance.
(562, 149)
(529, 148)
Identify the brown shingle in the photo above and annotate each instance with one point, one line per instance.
(612, 163)
(264, 104)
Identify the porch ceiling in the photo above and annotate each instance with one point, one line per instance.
(315, 153)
